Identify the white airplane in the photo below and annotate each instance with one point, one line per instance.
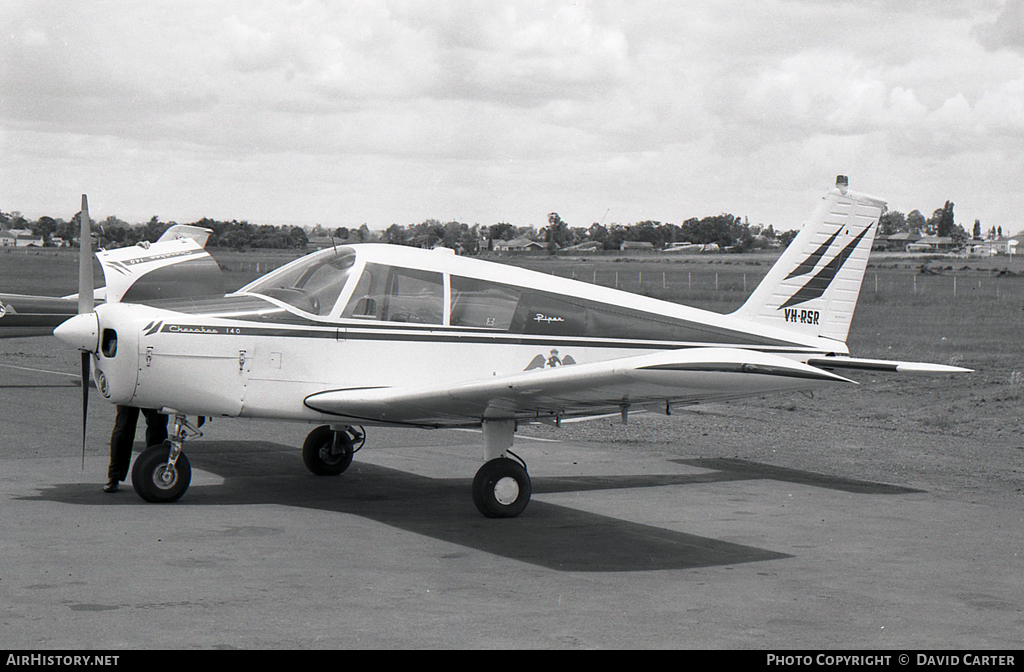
(386, 335)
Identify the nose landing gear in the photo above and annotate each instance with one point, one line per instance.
(162, 473)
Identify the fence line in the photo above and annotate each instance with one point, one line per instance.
(897, 284)
(952, 285)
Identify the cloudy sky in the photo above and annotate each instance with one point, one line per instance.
(343, 113)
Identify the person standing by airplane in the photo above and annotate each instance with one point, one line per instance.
(123, 437)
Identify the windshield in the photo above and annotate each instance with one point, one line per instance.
(311, 284)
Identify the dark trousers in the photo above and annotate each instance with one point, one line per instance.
(123, 437)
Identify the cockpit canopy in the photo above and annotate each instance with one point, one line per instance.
(376, 283)
(317, 284)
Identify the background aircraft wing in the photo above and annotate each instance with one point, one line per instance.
(176, 266)
(677, 377)
(171, 268)
(24, 315)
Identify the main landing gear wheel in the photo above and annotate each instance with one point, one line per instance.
(501, 488)
(155, 480)
(328, 452)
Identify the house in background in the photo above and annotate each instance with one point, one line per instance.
(20, 238)
(898, 242)
(932, 244)
(990, 248)
(519, 245)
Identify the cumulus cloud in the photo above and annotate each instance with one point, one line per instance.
(511, 102)
(1006, 31)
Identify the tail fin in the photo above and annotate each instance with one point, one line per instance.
(814, 285)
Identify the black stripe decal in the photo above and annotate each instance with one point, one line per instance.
(817, 285)
(471, 337)
(156, 257)
(808, 264)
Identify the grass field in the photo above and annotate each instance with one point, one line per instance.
(949, 430)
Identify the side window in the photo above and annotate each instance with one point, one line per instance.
(415, 296)
(392, 294)
(477, 303)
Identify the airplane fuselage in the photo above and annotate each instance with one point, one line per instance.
(375, 316)
(382, 334)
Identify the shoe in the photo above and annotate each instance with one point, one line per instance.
(111, 485)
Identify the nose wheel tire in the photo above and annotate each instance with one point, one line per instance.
(501, 488)
(155, 481)
(327, 452)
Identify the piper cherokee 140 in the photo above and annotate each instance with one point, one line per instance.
(363, 335)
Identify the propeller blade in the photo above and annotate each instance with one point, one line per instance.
(85, 281)
(85, 399)
(85, 304)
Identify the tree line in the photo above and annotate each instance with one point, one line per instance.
(113, 232)
(727, 231)
(941, 223)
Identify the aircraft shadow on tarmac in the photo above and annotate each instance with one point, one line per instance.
(549, 535)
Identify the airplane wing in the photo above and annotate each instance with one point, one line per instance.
(24, 315)
(677, 377)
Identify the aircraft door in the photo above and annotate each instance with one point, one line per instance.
(394, 294)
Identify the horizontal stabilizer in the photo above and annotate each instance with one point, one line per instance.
(853, 363)
(677, 377)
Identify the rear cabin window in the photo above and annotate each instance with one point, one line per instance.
(543, 313)
(482, 304)
(391, 294)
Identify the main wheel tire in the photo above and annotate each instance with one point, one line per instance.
(501, 488)
(323, 455)
(153, 481)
